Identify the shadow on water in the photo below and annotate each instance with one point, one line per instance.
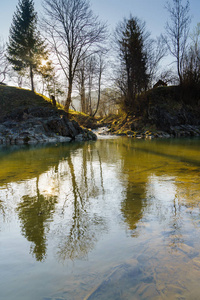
(169, 150)
(60, 163)
(132, 208)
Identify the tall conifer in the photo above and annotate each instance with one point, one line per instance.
(131, 37)
(25, 48)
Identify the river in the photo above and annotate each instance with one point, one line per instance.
(113, 219)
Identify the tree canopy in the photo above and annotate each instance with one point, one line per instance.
(177, 30)
(74, 33)
(25, 48)
(130, 37)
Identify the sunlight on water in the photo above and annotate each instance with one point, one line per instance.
(112, 219)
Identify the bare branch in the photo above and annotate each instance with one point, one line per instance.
(74, 32)
(4, 64)
(177, 30)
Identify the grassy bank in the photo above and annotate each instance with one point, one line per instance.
(14, 100)
(158, 109)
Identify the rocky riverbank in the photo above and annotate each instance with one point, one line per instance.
(30, 118)
(175, 131)
(161, 114)
(41, 125)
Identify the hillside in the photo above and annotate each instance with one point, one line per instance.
(28, 117)
(14, 100)
(161, 112)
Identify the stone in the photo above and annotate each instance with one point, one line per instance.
(40, 125)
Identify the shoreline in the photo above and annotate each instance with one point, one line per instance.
(38, 130)
(173, 132)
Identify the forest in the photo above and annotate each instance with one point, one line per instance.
(70, 56)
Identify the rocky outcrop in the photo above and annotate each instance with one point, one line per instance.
(41, 125)
(175, 122)
(165, 119)
(185, 130)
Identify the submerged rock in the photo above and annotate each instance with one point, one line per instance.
(117, 283)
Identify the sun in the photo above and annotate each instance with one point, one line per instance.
(43, 62)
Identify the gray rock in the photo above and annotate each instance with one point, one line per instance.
(41, 126)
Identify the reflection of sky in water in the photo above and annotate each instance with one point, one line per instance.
(111, 208)
(81, 207)
(161, 191)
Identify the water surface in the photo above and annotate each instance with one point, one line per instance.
(111, 219)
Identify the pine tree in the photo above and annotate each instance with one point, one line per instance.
(133, 57)
(25, 48)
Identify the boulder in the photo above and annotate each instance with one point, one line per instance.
(40, 125)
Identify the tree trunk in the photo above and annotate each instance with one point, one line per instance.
(99, 93)
(179, 72)
(69, 97)
(83, 105)
(90, 97)
(178, 59)
(31, 76)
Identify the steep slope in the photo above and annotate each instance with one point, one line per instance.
(27, 117)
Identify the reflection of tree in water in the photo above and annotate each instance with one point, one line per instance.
(136, 180)
(159, 160)
(82, 235)
(80, 170)
(132, 205)
(85, 224)
(2, 210)
(176, 223)
(34, 213)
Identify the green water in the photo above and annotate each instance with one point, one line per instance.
(112, 219)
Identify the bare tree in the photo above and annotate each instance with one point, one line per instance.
(4, 65)
(156, 50)
(101, 67)
(191, 67)
(177, 30)
(89, 81)
(92, 71)
(110, 101)
(74, 31)
(195, 37)
(81, 77)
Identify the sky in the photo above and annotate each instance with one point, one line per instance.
(153, 12)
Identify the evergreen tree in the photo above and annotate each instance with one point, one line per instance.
(25, 48)
(133, 57)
